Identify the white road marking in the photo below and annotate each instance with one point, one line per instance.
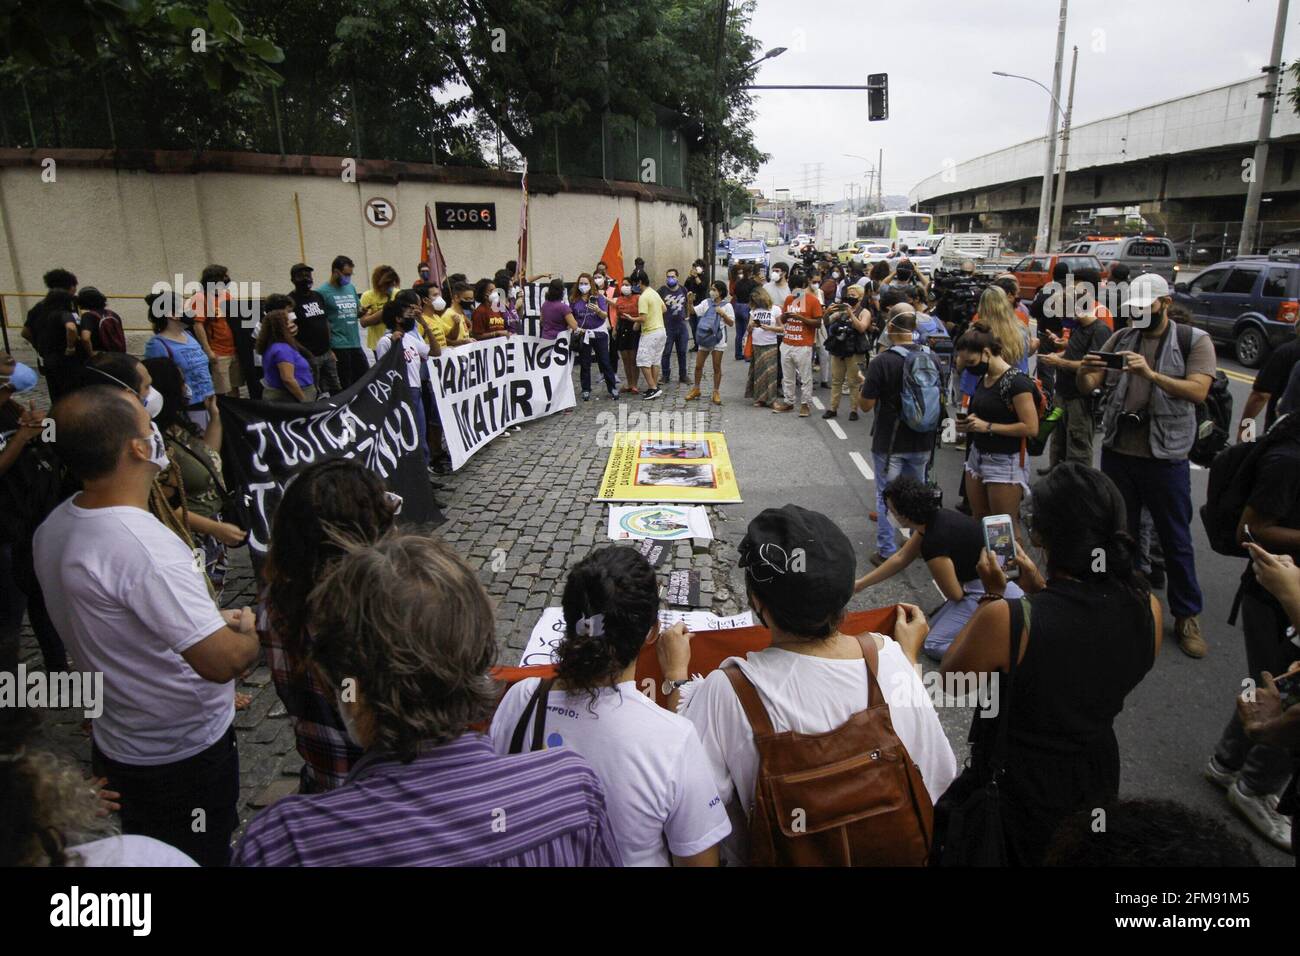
(835, 427)
(862, 465)
(817, 404)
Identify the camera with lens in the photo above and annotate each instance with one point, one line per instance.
(957, 296)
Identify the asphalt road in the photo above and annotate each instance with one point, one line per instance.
(1171, 721)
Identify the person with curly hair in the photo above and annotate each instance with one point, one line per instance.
(403, 639)
(327, 504)
(663, 803)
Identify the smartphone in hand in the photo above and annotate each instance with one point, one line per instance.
(1000, 539)
(1111, 359)
(1288, 687)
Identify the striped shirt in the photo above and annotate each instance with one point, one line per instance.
(455, 804)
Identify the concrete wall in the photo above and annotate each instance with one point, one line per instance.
(1209, 120)
(122, 230)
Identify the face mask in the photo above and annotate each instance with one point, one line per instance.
(699, 270)
(345, 280)
(467, 305)
(600, 281)
(439, 304)
(302, 283)
(672, 281)
(584, 287)
(158, 451)
(22, 379)
(981, 369)
(424, 274)
(514, 292)
(626, 290)
(835, 275)
(153, 403)
(778, 277)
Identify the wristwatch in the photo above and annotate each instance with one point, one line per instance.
(668, 686)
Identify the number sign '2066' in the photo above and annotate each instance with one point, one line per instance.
(466, 215)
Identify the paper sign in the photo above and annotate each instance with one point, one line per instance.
(548, 632)
(660, 522)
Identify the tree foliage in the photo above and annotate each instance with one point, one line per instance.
(415, 80)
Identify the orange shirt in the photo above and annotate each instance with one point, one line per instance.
(797, 308)
(220, 338)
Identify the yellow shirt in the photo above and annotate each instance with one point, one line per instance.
(373, 299)
(436, 328)
(651, 305)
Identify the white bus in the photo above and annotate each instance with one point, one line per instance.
(900, 227)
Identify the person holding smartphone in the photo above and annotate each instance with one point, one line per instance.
(1264, 716)
(1072, 439)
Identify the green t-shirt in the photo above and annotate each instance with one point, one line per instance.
(651, 305)
(342, 309)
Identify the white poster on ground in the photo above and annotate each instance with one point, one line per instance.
(548, 632)
(484, 388)
(660, 522)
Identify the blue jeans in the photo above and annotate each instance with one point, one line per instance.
(742, 322)
(421, 423)
(600, 347)
(911, 463)
(947, 622)
(678, 337)
(1164, 488)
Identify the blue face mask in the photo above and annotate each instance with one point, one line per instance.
(672, 281)
(22, 379)
(345, 280)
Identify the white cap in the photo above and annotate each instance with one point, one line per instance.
(1145, 289)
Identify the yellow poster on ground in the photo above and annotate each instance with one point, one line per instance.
(669, 466)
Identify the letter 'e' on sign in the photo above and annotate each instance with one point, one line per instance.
(380, 212)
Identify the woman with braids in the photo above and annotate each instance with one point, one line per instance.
(1084, 637)
(196, 470)
(662, 802)
(325, 505)
(50, 814)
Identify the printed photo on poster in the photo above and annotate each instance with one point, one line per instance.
(677, 476)
(675, 449)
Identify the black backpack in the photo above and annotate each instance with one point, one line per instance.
(842, 339)
(1232, 480)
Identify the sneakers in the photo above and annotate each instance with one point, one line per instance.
(779, 407)
(804, 410)
(853, 415)
(1190, 641)
(1261, 813)
(717, 397)
(652, 394)
(878, 559)
(586, 396)
(613, 393)
(1219, 775)
(829, 413)
(692, 395)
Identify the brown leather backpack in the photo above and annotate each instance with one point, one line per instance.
(849, 797)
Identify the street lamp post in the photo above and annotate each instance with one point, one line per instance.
(1065, 156)
(1044, 207)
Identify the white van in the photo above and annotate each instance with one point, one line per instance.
(1142, 254)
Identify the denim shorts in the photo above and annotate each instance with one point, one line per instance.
(999, 468)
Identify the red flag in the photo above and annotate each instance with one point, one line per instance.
(430, 251)
(522, 257)
(613, 256)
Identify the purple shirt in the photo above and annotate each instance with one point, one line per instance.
(553, 314)
(284, 352)
(586, 317)
(455, 804)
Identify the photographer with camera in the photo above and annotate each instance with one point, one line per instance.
(846, 341)
(1156, 375)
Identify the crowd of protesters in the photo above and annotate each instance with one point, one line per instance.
(381, 641)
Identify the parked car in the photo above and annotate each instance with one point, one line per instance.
(749, 250)
(871, 251)
(1141, 254)
(845, 252)
(1250, 302)
(1034, 272)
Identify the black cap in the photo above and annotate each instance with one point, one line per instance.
(799, 562)
(300, 267)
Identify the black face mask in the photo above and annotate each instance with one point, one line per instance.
(302, 283)
(981, 369)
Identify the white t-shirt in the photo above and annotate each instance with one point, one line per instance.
(810, 695)
(130, 849)
(658, 788)
(761, 317)
(414, 350)
(779, 293)
(128, 597)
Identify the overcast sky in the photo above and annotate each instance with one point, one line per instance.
(944, 101)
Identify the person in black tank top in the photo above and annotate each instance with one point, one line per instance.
(1089, 634)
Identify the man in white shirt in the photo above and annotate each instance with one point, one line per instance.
(130, 600)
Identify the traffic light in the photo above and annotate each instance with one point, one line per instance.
(877, 96)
